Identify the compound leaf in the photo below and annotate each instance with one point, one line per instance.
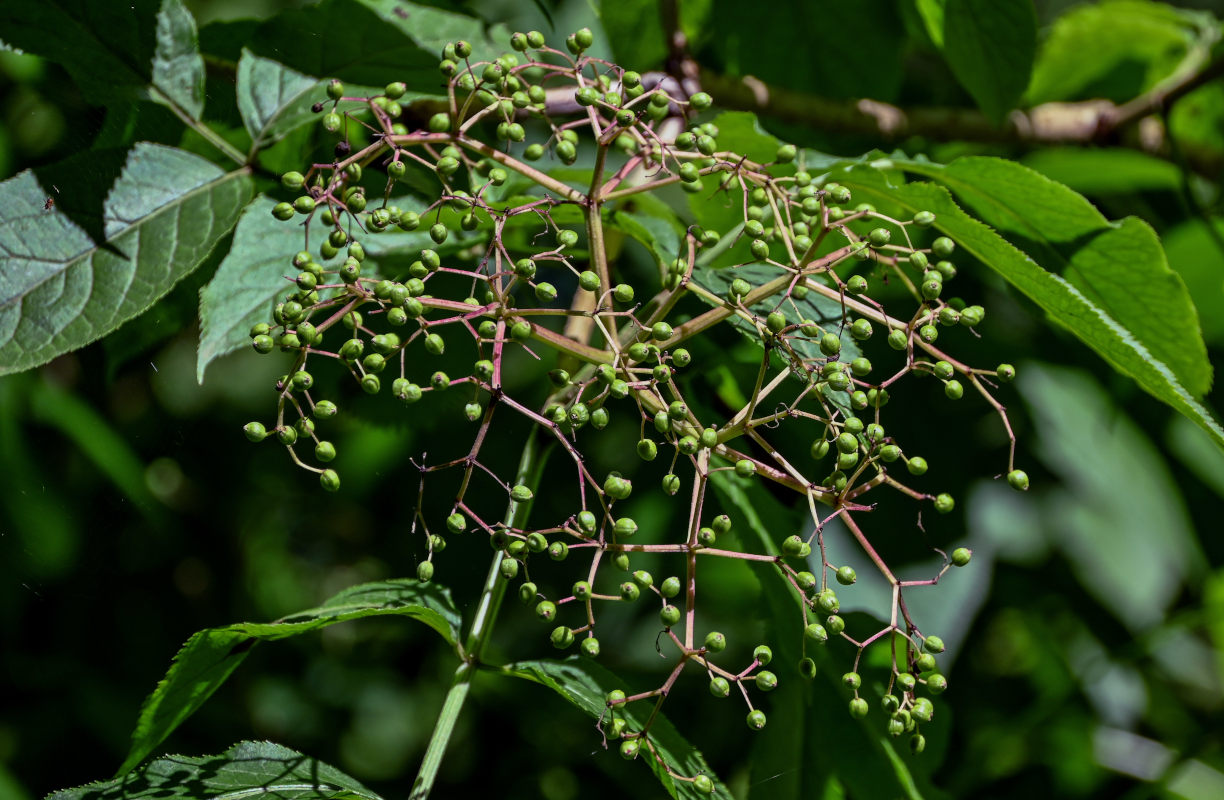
(247, 768)
(70, 279)
(1057, 296)
(210, 656)
(586, 684)
(1118, 266)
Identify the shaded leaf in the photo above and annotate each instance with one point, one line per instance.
(115, 50)
(210, 656)
(861, 59)
(1131, 549)
(1119, 266)
(247, 768)
(635, 31)
(1066, 304)
(178, 67)
(64, 286)
(1134, 44)
(585, 684)
(1104, 170)
(989, 45)
(346, 39)
(432, 27)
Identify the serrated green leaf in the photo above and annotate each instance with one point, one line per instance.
(210, 656)
(258, 268)
(350, 40)
(246, 769)
(115, 50)
(178, 67)
(1105, 170)
(1065, 304)
(1134, 45)
(275, 100)
(69, 279)
(432, 28)
(657, 234)
(1118, 266)
(989, 45)
(585, 684)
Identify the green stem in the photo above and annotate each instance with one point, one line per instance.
(531, 465)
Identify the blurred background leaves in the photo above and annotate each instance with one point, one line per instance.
(1088, 633)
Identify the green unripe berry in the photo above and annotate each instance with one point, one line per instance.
(590, 647)
(924, 662)
(661, 331)
(630, 747)
(897, 339)
(830, 344)
(1006, 373)
(703, 784)
(1018, 479)
(588, 280)
(617, 487)
(629, 591)
(954, 390)
(325, 451)
(944, 503)
(816, 632)
(669, 616)
(846, 575)
(775, 322)
(562, 637)
(647, 450)
(943, 247)
(546, 610)
(960, 556)
(625, 526)
(715, 642)
(521, 494)
(756, 719)
(701, 101)
(558, 551)
(936, 683)
(766, 681)
(509, 568)
(933, 644)
(671, 484)
(907, 681)
(792, 546)
(879, 236)
(745, 468)
(916, 465)
(858, 708)
(425, 571)
(806, 580)
(329, 480)
(456, 523)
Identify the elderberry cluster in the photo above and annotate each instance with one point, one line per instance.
(518, 259)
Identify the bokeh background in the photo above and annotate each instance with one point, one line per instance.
(1087, 636)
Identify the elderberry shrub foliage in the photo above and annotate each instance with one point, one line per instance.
(654, 302)
(797, 270)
